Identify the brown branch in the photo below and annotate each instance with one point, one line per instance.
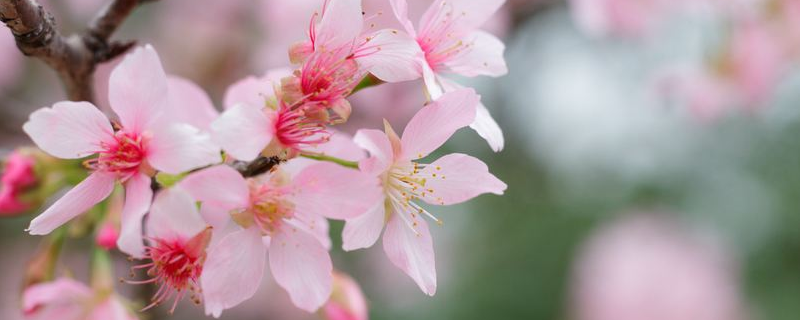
(75, 57)
(256, 167)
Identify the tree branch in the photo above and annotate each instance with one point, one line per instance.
(74, 58)
(256, 167)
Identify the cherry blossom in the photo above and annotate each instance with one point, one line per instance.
(178, 237)
(448, 35)
(142, 142)
(276, 212)
(67, 299)
(17, 175)
(453, 178)
(339, 53)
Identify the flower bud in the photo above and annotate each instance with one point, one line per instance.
(18, 176)
(347, 302)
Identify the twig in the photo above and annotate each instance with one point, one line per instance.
(256, 167)
(75, 57)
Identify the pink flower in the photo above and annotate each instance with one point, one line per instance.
(448, 35)
(178, 237)
(339, 53)
(67, 299)
(107, 236)
(647, 266)
(451, 179)
(631, 18)
(257, 122)
(278, 212)
(347, 302)
(17, 176)
(145, 141)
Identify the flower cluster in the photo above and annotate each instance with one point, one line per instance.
(202, 228)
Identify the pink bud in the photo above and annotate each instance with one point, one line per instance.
(347, 301)
(17, 175)
(107, 236)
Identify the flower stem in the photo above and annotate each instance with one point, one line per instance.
(323, 157)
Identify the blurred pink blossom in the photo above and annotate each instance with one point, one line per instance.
(347, 302)
(17, 175)
(630, 18)
(647, 266)
(67, 299)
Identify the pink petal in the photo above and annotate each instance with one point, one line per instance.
(392, 56)
(189, 103)
(233, 270)
(458, 178)
(488, 129)
(69, 130)
(362, 231)
(341, 23)
(251, 91)
(111, 309)
(137, 89)
(180, 147)
(220, 189)
(432, 87)
(411, 252)
(243, 131)
(302, 266)
(174, 214)
(484, 124)
(315, 225)
(470, 14)
(436, 122)
(138, 196)
(334, 191)
(63, 292)
(484, 57)
(400, 9)
(96, 187)
(379, 147)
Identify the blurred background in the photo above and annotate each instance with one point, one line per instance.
(651, 157)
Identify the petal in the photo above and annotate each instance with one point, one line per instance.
(484, 124)
(315, 225)
(188, 103)
(233, 270)
(469, 15)
(220, 189)
(243, 131)
(334, 191)
(436, 122)
(251, 91)
(181, 147)
(341, 23)
(174, 213)
(69, 130)
(62, 291)
(137, 89)
(488, 129)
(362, 231)
(392, 56)
(96, 187)
(412, 252)
(430, 79)
(400, 9)
(138, 196)
(111, 309)
(457, 178)
(379, 148)
(483, 57)
(302, 266)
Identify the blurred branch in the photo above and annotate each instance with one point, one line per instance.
(256, 167)
(75, 57)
